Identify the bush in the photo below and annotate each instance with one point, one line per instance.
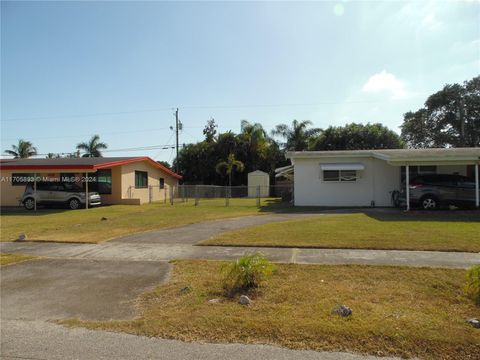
(247, 272)
(472, 288)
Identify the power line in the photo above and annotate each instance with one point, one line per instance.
(86, 115)
(101, 134)
(192, 107)
(141, 148)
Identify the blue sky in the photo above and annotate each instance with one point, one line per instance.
(118, 69)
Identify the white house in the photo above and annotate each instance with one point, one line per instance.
(368, 177)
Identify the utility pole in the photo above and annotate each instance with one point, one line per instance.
(176, 131)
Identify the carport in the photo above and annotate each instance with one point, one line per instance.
(433, 158)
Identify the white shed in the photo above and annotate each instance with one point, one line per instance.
(258, 178)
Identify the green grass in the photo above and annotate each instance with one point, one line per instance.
(416, 231)
(8, 259)
(85, 225)
(396, 310)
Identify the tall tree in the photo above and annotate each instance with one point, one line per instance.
(93, 147)
(210, 130)
(296, 136)
(254, 140)
(229, 166)
(356, 137)
(450, 117)
(24, 149)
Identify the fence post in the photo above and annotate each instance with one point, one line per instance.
(172, 194)
(258, 196)
(196, 195)
(149, 193)
(165, 195)
(227, 196)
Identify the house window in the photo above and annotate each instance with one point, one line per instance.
(162, 183)
(339, 175)
(104, 181)
(20, 179)
(141, 179)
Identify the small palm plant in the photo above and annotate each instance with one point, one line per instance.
(229, 166)
(24, 149)
(247, 273)
(472, 287)
(92, 147)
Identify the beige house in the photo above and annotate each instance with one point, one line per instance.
(119, 180)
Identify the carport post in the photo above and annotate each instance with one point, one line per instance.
(407, 185)
(35, 191)
(477, 190)
(86, 190)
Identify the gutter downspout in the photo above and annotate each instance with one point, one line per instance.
(407, 185)
(86, 190)
(477, 185)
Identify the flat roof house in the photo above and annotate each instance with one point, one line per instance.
(368, 177)
(119, 180)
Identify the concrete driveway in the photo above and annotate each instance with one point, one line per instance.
(49, 289)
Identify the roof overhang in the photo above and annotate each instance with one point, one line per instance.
(11, 165)
(398, 157)
(286, 171)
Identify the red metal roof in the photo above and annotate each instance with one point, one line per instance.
(78, 163)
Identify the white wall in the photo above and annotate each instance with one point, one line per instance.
(375, 183)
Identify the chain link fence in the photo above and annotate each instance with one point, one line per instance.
(229, 196)
(212, 194)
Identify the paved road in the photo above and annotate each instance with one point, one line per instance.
(41, 340)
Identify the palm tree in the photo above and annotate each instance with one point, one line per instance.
(229, 167)
(254, 134)
(92, 148)
(297, 135)
(256, 140)
(24, 149)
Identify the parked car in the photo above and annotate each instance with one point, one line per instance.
(435, 190)
(57, 193)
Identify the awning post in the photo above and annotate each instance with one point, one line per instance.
(35, 191)
(407, 185)
(86, 190)
(477, 187)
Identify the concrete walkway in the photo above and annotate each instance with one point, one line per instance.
(178, 243)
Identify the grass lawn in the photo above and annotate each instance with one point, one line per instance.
(7, 259)
(396, 310)
(416, 231)
(86, 225)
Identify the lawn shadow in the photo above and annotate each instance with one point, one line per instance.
(421, 215)
(282, 207)
(380, 214)
(41, 210)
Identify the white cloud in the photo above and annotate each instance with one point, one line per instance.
(385, 82)
(430, 21)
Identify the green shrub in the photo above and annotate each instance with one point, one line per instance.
(247, 272)
(472, 288)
